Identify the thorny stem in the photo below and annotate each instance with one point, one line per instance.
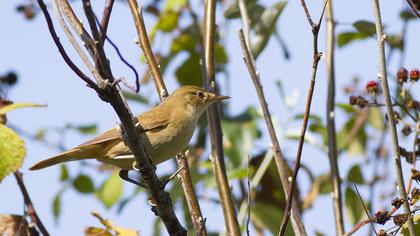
(29, 205)
(316, 58)
(391, 119)
(213, 117)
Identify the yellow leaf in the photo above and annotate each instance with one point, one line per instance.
(7, 108)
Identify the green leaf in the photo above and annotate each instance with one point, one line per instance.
(407, 15)
(189, 73)
(356, 145)
(268, 216)
(266, 26)
(325, 186)
(346, 107)
(84, 129)
(64, 173)
(136, 97)
(110, 191)
(395, 41)
(232, 10)
(184, 42)
(365, 27)
(376, 119)
(239, 137)
(345, 38)
(355, 175)
(84, 184)
(12, 151)
(57, 206)
(13, 106)
(168, 21)
(174, 5)
(354, 207)
(404, 229)
(220, 54)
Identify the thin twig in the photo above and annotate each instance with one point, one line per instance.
(214, 122)
(73, 42)
(131, 138)
(331, 130)
(117, 50)
(29, 205)
(282, 166)
(413, 8)
(61, 48)
(316, 58)
(248, 182)
(191, 198)
(364, 207)
(144, 42)
(391, 119)
(77, 27)
(105, 19)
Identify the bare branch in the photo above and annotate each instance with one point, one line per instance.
(213, 117)
(316, 58)
(281, 164)
(414, 8)
(145, 46)
(61, 48)
(29, 205)
(105, 19)
(391, 118)
(331, 130)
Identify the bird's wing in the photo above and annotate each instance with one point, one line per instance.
(147, 122)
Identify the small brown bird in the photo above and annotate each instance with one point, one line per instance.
(168, 129)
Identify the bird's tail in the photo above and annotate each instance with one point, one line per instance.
(70, 155)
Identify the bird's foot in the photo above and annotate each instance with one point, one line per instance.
(124, 174)
(166, 181)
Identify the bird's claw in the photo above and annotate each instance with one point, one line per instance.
(124, 175)
(166, 181)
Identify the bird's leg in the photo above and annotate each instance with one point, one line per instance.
(124, 175)
(166, 181)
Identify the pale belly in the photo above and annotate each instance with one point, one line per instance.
(159, 149)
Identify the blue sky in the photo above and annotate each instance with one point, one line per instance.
(26, 47)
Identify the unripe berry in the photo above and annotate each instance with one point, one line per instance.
(402, 75)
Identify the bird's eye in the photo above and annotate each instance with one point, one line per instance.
(200, 94)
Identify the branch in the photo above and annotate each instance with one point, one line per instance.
(413, 8)
(331, 130)
(30, 210)
(281, 164)
(316, 58)
(391, 118)
(213, 117)
(113, 94)
(105, 19)
(145, 46)
(182, 160)
(73, 42)
(61, 49)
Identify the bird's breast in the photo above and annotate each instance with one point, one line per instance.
(169, 141)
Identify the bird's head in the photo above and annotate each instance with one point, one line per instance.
(194, 99)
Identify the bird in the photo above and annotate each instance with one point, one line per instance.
(166, 128)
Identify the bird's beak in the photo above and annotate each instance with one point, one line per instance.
(216, 98)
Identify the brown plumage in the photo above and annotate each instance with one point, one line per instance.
(168, 129)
